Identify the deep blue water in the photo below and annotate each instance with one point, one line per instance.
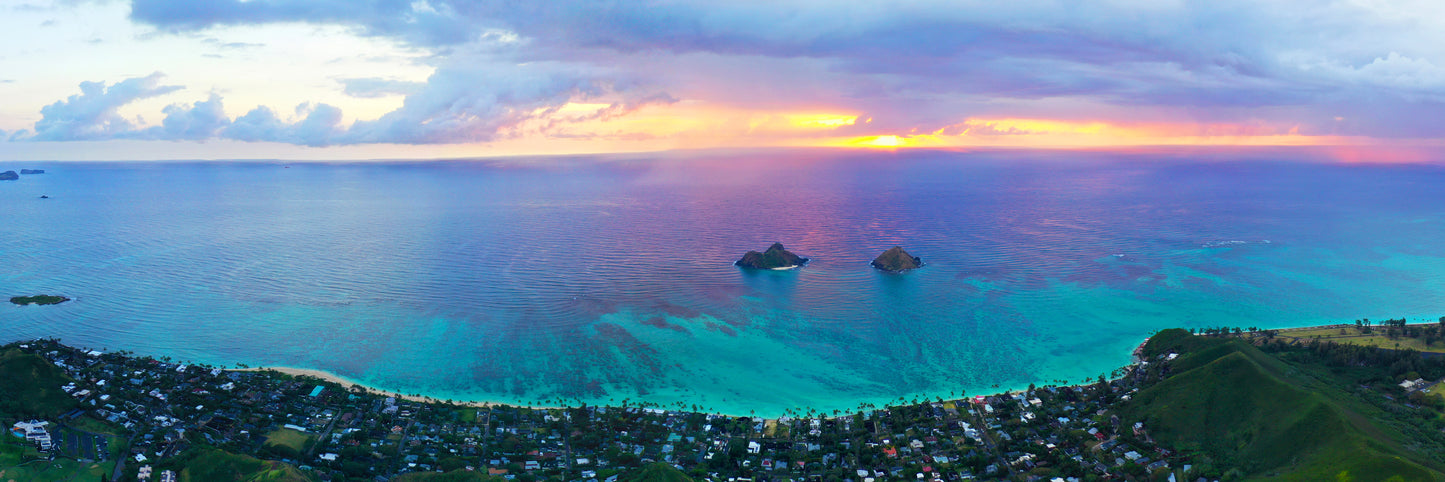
(609, 279)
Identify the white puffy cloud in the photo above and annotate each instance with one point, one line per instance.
(92, 114)
(202, 120)
(473, 101)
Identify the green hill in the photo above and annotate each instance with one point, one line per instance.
(656, 472)
(1248, 411)
(212, 465)
(30, 387)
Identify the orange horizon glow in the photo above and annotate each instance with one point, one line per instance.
(1067, 134)
(590, 127)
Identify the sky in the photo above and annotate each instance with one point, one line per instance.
(376, 79)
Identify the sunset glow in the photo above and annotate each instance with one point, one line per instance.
(182, 80)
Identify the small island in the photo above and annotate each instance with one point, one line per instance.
(9, 176)
(774, 258)
(895, 260)
(39, 300)
(32, 171)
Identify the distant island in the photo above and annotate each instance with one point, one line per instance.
(774, 258)
(895, 259)
(32, 171)
(39, 300)
(9, 176)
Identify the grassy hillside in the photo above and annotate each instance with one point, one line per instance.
(30, 387)
(211, 465)
(1249, 411)
(656, 472)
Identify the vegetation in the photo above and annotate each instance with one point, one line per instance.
(20, 461)
(655, 472)
(39, 300)
(452, 476)
(1394, 334)
(212, 465)
(774, 257)
(290, 442)
(896, 259)
(32, 387)
(1244, 412)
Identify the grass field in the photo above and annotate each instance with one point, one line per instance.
(21, 462)
(286, 437)
(1353, 336)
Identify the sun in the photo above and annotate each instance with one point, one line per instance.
(884, 141)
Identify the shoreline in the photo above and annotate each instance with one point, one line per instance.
(1135, 358)
(353, 384)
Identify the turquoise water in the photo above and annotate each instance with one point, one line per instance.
(606, 279)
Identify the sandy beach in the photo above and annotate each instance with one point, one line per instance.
(346, 382)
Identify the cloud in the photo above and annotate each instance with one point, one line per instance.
(468, 101)
(910, 64)
(374, 87)
(92, 114)
(320, 124)
(416, 21)
(218, 43)
(471, 100)
(201, 120)
(260, 124)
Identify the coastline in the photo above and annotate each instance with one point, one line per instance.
(353, 384)
(1135, 358)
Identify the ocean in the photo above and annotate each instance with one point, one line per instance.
(607, 279)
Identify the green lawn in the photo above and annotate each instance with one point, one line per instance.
(21, 462)
(286, 437)
(1354, 336)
